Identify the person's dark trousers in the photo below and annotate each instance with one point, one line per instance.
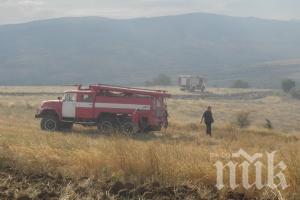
(208, 128)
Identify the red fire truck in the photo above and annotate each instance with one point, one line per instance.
(110, 108)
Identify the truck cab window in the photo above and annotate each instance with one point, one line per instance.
(69, 97)
(87, 98)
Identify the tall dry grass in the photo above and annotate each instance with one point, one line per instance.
(180, 154)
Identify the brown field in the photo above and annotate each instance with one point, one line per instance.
(178, 156)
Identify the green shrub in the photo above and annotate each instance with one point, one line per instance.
(287, 85)
(268, 124)
(243, 120)
(240, 84)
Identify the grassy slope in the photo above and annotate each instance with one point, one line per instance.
(178, 155)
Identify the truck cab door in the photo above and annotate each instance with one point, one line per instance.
(69, 105)
(85, 106)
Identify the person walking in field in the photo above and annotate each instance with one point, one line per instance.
(208, 120)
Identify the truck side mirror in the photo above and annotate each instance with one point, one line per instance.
(59, 98)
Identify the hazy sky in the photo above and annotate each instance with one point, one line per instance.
(14, 11)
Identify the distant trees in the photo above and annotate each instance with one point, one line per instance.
(240, 84)
(290, 86)
(161, 79)
(295, 92)
(287, 85)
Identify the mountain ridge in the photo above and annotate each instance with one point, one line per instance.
(152, 17)
(131, 51)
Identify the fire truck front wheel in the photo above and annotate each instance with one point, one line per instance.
(49, 123)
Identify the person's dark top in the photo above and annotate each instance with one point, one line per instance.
(208, 117)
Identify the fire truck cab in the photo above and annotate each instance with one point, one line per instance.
(110, 108)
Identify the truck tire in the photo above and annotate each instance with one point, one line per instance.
(106, 126)
(49, 123)
(129, 128)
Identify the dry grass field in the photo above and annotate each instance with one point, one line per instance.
(178, 156)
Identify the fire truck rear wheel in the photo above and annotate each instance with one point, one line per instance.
(105, 126)
(49, 123)
(129, 128)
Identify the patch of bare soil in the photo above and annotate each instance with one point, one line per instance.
(20, 186)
